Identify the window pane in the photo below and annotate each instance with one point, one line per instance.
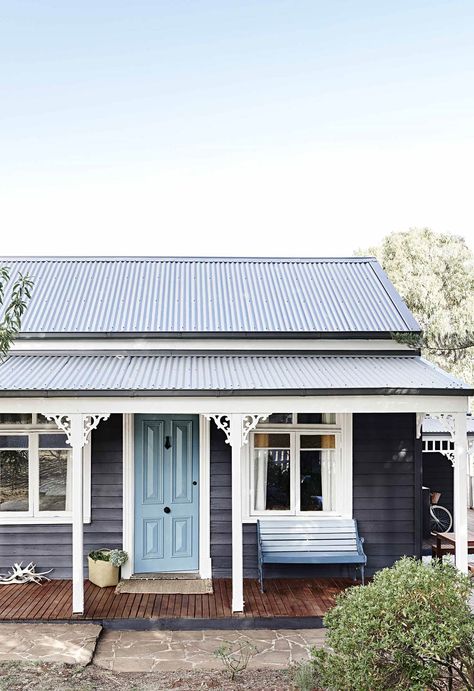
(317, 441)
(53, 441)
(316, 418)
(271, 441)
(279, 419)
(13, 441)
(13, 480)
(43, 420)
(53, 480)
(272, 480)
(317, 480)
(15, 419)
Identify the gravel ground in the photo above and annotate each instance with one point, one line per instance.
(59, 677)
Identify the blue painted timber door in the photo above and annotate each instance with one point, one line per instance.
(166, 493)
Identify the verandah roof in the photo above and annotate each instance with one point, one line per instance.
(184, 373)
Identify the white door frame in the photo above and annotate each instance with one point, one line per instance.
(205, 567)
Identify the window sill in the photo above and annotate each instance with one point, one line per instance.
(38, 520)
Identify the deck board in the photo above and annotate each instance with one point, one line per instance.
(282, 598)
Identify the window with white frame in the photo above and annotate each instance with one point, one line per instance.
(35, 471)
(295, 465)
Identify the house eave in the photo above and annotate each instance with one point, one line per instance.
(189, 393)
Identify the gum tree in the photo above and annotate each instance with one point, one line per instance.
(14, 298)
(434, 273)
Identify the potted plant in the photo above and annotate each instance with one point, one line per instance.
(104, 565)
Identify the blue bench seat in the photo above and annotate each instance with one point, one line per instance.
(309, 541)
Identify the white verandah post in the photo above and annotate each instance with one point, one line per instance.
(77, 443)
(77, 428)
(237, 428)
(460, 491)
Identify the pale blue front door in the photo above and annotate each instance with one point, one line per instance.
(166, 493)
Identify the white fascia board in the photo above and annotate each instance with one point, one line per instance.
(237, 404)
(180, 344)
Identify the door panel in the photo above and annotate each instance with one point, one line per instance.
(181, 536)
(182, 465)
(166, 493)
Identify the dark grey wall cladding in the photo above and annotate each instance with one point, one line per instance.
(438, 475)
(387, 486)
(49, 546)
(387, 466)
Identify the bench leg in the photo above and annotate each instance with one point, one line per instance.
(260, 574)
(362, 570)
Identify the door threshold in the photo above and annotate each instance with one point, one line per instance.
(166, 576)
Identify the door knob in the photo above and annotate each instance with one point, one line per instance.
(167, 509)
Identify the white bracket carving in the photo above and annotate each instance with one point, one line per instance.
(442, 445)
(419, 423)
(222, 422)
(448, 425)
(249, 423)
(90, 422)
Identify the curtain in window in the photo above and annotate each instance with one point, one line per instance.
(328, 485)
(261, 472)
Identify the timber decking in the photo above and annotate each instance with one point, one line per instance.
(284, 598)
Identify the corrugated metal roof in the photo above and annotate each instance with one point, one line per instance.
(220, 296)
(433, 426)
(223, 373)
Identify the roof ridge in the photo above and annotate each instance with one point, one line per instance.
(187, 259)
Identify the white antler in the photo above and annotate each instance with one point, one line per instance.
(24, 574)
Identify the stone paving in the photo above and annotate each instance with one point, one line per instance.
(152, 651)
(69, 643)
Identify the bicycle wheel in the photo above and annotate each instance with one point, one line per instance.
(441, 519)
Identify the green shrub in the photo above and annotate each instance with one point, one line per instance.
(410, 629)
(303, 676)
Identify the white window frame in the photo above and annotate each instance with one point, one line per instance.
(342, 430)
(34, 516)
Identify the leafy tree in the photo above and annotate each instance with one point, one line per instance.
(434, 274)
(13, 303)
(410, 629)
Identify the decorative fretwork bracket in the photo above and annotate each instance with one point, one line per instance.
(419, 424)
(249, 423)
(90, 422)
(449, 426)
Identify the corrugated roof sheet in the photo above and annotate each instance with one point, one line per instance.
(187, 373)
(119, 296)
(433, 426)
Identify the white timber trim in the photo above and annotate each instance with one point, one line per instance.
(344, 498)
(342, 430)
(237, 404)
(77, 427)
(460, 491)
(77, 443)
(34, 516)
(218, 344)
(128, 569)
(237, 428)
(128, 461)
(205, 564)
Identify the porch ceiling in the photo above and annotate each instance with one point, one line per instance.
(223, 374)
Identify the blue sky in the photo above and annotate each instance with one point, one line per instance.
(233, 127)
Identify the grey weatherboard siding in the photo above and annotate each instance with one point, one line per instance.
(387, 498)
(49, 546)
(387, 461)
